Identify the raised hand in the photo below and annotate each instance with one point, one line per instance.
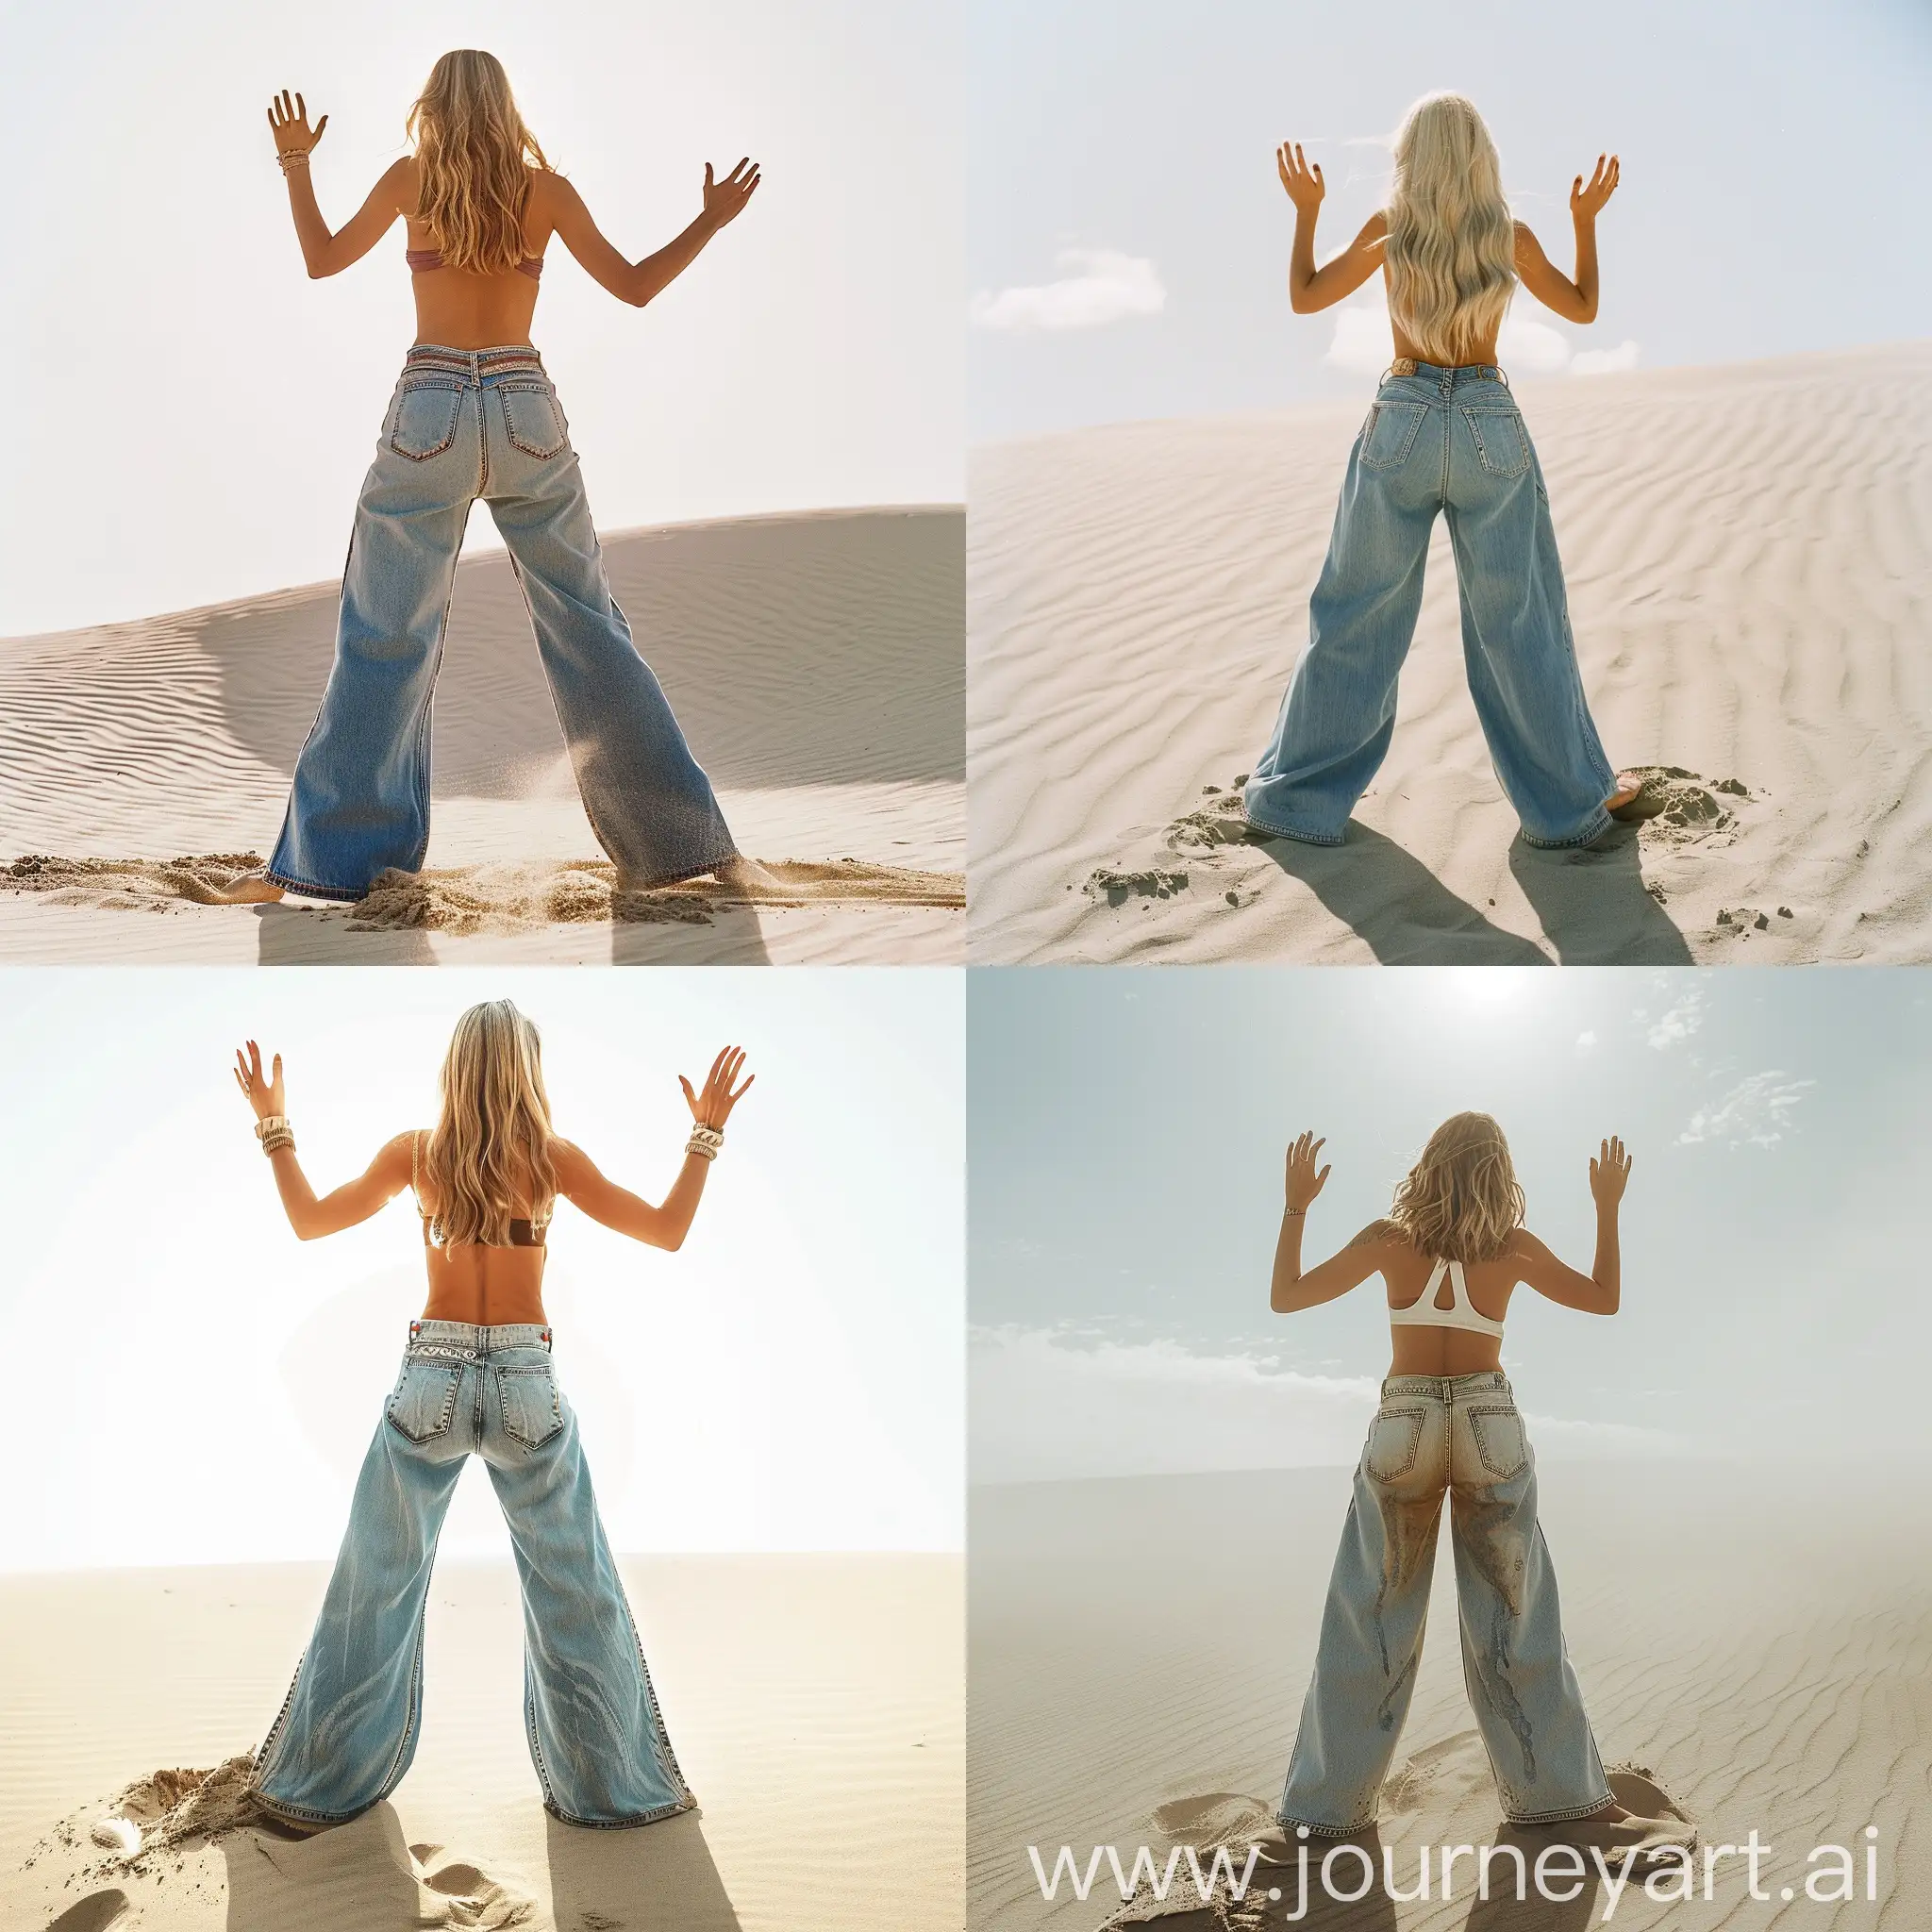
(724, 200)
(1305, 1180)
(712, 1108)
(1302, 178)
(262, 1092)
(1610, 1173)
(289, 123)
(1586, 203)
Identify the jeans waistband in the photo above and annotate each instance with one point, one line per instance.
(1449, 1388)
(515, 358)
(1443, 377)
(473, 1339)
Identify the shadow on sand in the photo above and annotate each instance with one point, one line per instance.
(659, 1875)
(1593, 906)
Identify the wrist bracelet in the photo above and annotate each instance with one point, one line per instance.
(705, 1141)
(270, 1123)
(291, 160)
(1297, 1211)
(273, 1143)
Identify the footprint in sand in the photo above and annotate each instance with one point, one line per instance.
(95, 1913)
(1413, 1782)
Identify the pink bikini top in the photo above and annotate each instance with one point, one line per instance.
(422, 260)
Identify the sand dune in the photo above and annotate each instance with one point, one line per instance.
(1749, 554)
(815, 1701)
(814, 661)
(1763, 1641)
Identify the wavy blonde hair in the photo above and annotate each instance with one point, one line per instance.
(493, 1141)
(474, 155)
(1461, 1201)
(1452, 239)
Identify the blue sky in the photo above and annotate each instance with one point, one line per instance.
(1126, 1142)
(191, 417)
(203, 1385)
(1772, 150)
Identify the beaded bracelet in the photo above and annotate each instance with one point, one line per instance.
(273, 1144)
(270, 1124)
(705, 1141)
(293, 159)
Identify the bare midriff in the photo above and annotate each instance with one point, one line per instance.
(487, 1287)
(1482, 352)
(462, 310)
(1420, 1351)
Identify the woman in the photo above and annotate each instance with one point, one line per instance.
(476, 1376)
(474, 415)
(1451, 1252)
(1445, 434)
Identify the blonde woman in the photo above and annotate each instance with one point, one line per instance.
(474, 415)
(477, 1378)
(1443, 435)
(1451, 1252)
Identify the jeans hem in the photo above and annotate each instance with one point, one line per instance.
(1300, 837)
(687, 1802)
(303, 1814)
(1287, 1823)
(677, 878)
(1565, 1817)
(1593, 829)
(309, 889)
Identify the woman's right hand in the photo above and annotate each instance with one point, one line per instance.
(263, 1092)
(289, 122)
(1305, 1180)
(1586, 203)
(724, 200)
(1303, 179)
(1610, 1173)
(712, 1108)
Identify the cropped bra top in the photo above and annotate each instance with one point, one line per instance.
(422, 260)
(1460, 1313)
(523, 1234)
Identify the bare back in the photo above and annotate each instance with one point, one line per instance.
(464, 311)
(1418, 1350)
(484, 1285)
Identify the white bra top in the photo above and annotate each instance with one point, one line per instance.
(1461, 1313)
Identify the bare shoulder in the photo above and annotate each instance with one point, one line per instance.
(569, 1160)
(1378, 1234)
(398, 1152)
(1373, 230)
(1527, 247)
(1527, 1251)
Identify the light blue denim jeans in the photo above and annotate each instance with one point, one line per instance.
(1449, 440)
(1458, 1434)
(464, 423)
(348, 1727)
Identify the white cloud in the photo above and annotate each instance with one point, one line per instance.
(1585, 1040)
(1047, 1405)
(1532, 346)
(1679, 1021)
(1605, 361)
(1754, 1113)
(1107, 286)
(1362, 341)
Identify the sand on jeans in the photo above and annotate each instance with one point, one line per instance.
(815, 662)
(1749, 560)
(816, 1702)
(1759, 1637)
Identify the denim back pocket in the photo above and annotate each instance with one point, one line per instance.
(1390, 433)
(1396, 1439)
(1500, 1444)
(425, 1402)
(531, 418)
(424, 422)
(1501, 442)
(532, 1409)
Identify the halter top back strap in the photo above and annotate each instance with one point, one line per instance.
(422, 260)
(1461, 1312)
(523, 1233)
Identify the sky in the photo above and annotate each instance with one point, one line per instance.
(194, 1385)
(1128, 240)
(190, 416)
(1126, 1142)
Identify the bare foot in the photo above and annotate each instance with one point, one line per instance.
(1630, 802)
(248, 888)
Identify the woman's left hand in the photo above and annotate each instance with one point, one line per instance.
(724, 200)
(287, 122)
(263, 1091)
(1586, 203)
(712, 1108)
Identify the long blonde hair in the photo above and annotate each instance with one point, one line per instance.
(1461, 1201)
(474, 154)
(1452, 239)
(493, 1141)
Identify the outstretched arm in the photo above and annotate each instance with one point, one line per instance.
(580, 1182)
(311, 1215)
(638, 282)
(1600, 1292)
(323, 253)
(1291, 1287)
(1574, 300)
(1311, 289)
